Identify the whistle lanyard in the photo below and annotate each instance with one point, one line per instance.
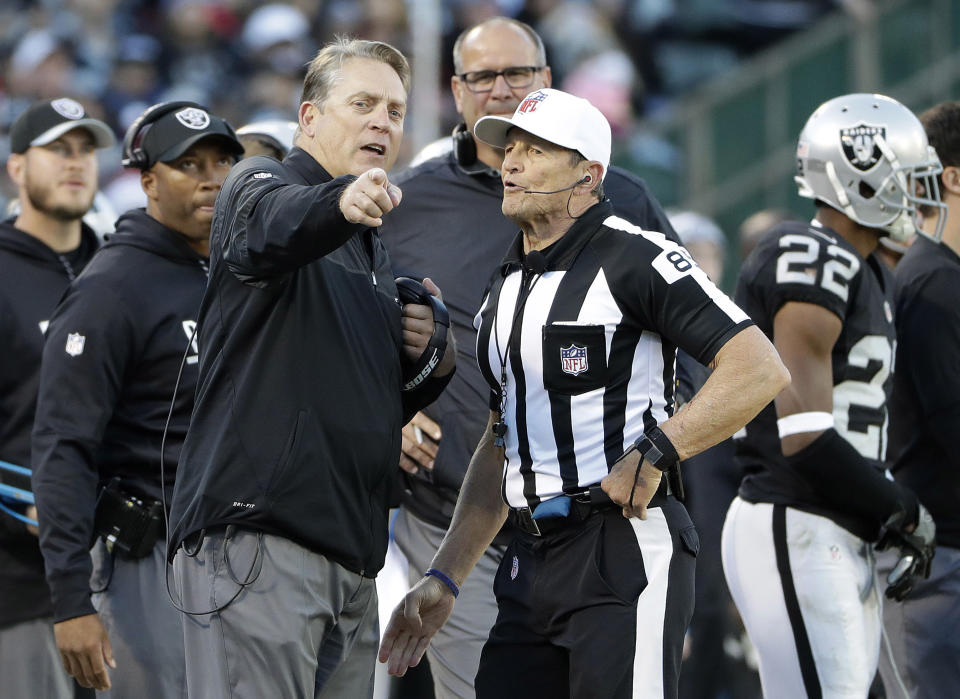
(523, 293)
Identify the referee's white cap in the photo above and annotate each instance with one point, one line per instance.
(555, 116)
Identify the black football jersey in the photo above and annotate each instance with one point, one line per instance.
(813, 264)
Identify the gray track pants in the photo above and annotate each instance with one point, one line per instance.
(30, 664)
(144, 629)
(302, 627)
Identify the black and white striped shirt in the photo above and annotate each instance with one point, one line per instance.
(592, 359)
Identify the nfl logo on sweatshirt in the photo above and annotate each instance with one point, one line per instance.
(573, 359)
(75, 344)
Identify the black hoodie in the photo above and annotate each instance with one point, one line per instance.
(32, 279)
(110, 362)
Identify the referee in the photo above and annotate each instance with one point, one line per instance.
(577, 338)
(450, 227)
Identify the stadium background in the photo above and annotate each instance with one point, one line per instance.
(706, 97)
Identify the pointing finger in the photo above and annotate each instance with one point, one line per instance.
(377, 176)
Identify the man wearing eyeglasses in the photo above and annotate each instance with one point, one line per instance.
(451, 224)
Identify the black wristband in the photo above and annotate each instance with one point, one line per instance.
(656, 447)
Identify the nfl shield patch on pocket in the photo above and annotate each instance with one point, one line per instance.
(573, 360)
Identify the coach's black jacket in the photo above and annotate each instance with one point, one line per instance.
(296, 429)
(110, 362)
(32, 279)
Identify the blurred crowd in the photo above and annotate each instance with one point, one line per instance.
(245, 59)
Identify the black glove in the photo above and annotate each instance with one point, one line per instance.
(916, 550)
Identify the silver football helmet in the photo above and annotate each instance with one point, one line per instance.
(278, 133)
(868, 157)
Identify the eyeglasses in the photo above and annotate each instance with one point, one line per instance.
(515, 76)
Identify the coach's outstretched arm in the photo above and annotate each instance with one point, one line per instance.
(479, 515)
(747, 374)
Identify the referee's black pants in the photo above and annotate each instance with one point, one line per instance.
(598, 608)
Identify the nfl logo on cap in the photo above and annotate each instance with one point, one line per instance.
(558, 117)
(531, 101)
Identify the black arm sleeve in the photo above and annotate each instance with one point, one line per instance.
(841, 475)
(78, 392)
(267, 227)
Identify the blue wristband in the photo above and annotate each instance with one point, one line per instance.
(442, 577)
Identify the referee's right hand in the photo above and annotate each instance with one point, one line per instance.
(625, 486)
(414, 623)
(369, 197)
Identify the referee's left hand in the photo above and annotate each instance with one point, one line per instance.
(618, 484)
(413, 623)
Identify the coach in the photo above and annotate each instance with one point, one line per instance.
(289, 466)
(577, 340)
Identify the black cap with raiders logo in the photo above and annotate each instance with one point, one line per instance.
(44, 122)
(174, 129)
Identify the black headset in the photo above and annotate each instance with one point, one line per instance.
(464, 147)
(415, 373)
(133, 154)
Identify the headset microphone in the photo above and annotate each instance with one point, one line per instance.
(585, 178)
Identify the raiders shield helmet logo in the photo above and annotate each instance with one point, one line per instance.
(860, 146)
(193, 118)
(68, 108)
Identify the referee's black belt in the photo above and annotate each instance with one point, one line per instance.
(582, 506)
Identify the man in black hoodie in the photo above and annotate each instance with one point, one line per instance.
(290, 464)
(54, 166)
(114, 348)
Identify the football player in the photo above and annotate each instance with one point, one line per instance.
(797, 542)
